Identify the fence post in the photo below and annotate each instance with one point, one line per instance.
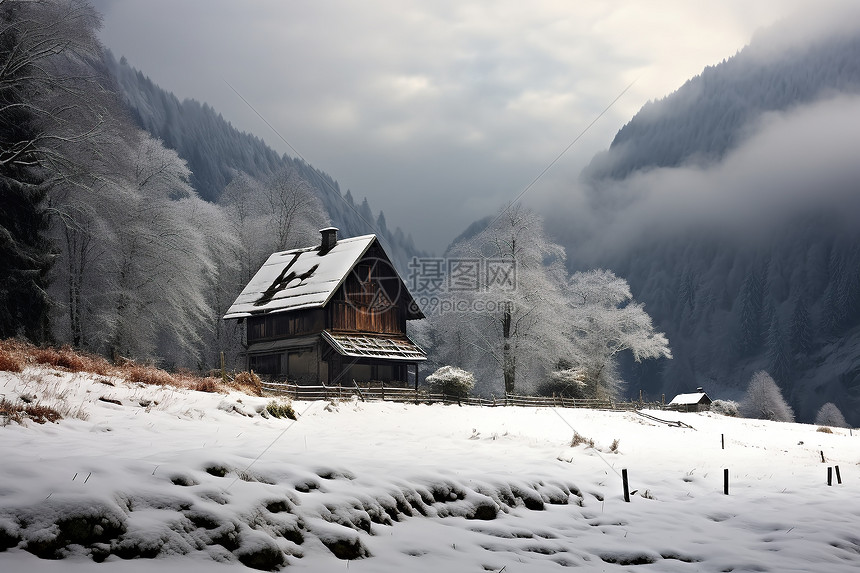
(838, 476)
(723, 440)
(829, 475)
(626, 486)
(726, 481)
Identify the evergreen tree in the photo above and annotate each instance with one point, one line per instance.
(24, 249)
(800, 339)
(780, 362)
(749, 317)
(831, 316)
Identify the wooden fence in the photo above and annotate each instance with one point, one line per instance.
(399, 394)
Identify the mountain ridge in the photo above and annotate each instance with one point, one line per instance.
(732, 212)
(215, 150)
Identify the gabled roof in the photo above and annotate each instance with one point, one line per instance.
(690, 399)
(299, 278)
(374, 346)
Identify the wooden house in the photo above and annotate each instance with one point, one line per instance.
(696, 401)
(333, 313)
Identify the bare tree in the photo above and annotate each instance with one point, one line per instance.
(296, 213)
(47, 114)
(41, 77)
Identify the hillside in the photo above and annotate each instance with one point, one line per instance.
(215, 151)
(140, 476)
(731, 208)
(712, 113)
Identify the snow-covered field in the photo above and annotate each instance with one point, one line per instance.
(189, 481)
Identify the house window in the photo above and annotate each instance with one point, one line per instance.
(267, 365)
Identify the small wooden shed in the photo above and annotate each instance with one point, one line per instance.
(697, 401)
(332, 313)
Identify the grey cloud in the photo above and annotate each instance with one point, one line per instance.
(421, 106)
(794, 162)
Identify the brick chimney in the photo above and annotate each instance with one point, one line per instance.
(329, 239)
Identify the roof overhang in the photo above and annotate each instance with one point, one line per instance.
(375, 346)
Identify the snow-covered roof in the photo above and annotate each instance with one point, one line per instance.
(375, 346)
(299, 278)
(689, 399)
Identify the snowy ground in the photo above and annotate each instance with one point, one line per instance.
(191, 481)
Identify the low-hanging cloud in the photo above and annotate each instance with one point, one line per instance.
(800, 161)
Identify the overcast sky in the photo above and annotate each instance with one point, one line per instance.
(438, 111)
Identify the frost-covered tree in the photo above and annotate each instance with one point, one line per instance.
(763, 400)
(451, 381)
(242, 204)
(725, 408)
(159, 262)
(46, 115)
(603, 321)
(277, 214)
(208, 293)
(296, 213)
(830, 415)
(511, 276)
(565, 380)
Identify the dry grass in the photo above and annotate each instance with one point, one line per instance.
(207, 385)
(579, 439)
(149, 375)
(16, 355)
(9, 363)
(13, 356)
(18, 411)
(249, 383)
(824, 430)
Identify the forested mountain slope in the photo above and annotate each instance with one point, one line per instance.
(712, 112)
(216, 151)
(732, 207)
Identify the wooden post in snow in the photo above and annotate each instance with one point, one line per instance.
(626, 486)
(726, 481)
